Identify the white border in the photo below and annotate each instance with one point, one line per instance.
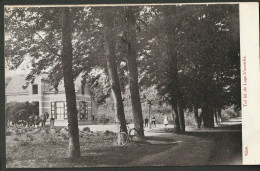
(249, 48)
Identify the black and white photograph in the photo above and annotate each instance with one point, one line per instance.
(124, 85)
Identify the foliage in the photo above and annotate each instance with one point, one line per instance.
(203, 38)
(20, 110)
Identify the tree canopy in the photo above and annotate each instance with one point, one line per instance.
(189, 53)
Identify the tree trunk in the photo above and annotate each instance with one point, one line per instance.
(74, 147)
(215, 114)
(133, 72)
(174, 95)
(174, 84)
(112, 68)
(174, 77)
(175, 116)
(219, 114)
(211, 116)
(181, 118)
(208, 117)
(196, 113)
(205, 115)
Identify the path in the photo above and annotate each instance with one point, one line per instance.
(221, 146)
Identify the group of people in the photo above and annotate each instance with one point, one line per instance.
(146, 120)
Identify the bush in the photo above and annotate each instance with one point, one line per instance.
(87, 129)
(24, 143)
(228, 113)
(20, 110)
(104, 119)
(108, 133)
(189, 119)
(8, 133)
(65, 136)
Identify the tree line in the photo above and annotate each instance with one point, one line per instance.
(189, 53)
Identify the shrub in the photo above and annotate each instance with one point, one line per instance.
(104, 119)
(64, 136)
(24, 143)
(8, 133)
(16, 139)
(20, 110)
(108, 133)
(228, 113)
(87, 129)
(29, 137)
(189, 119)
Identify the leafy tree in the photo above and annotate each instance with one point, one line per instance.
(67, 56)
(46, 34)
(112, 66)
(204, 41)
(131, 41)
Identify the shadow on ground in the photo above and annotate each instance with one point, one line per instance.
(227, 143)
(120, 156)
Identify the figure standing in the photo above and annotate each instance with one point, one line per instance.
(146, 122)
(153, 121)
(165, 121)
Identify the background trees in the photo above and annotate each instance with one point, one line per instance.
(184, 56)
(200, 42)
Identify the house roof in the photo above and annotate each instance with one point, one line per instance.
(50, 87)
(16, 84)
(7, 80)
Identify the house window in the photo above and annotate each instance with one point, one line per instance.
(65, 113)
(83, 110)
(86, 109)
(82, 89)
(53, 114)
(35, 89)
(60, 110)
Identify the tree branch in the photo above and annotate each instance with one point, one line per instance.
(50, 49)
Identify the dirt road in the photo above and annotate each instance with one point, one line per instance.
(221, 146)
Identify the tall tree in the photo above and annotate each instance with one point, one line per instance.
(74, 147)
(46, 35)
(132, 68)
(171, 33)
(110, 55)
(206, 76)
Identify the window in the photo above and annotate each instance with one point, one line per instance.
(82, 89)
(83, 110)
(35, 89)
(86, 109)
(60, 110)
(65, 113)
(53, 114)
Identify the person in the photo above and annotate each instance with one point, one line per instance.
(165, 121)
(44, 117)
(153, 121)
(146, 122)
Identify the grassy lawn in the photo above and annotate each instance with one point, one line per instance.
(49, 148)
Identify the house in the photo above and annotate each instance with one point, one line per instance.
(48, 99)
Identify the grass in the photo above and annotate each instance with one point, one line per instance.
(48, 148)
